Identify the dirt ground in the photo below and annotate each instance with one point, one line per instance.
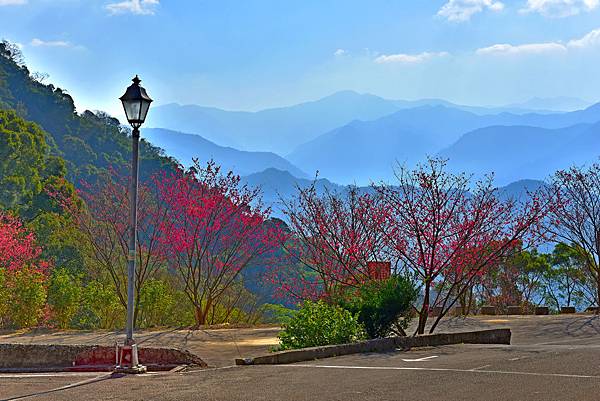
(217, 347)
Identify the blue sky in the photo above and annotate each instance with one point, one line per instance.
(252, 54)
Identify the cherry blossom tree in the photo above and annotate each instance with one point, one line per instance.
(215, 227)
(449, 232)
(103, 220)
(332, 237)
(17, 245)
(22, 274)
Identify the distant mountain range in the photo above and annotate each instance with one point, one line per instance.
(185, 147)
(358, 138)
(513, 152)
(282, 129)
(561, 103)
(278, 130)
(368, 150)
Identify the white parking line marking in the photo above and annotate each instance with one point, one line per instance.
(482, 367)
(421, 359)
(445, 370)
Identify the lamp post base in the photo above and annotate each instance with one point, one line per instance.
(127, 360)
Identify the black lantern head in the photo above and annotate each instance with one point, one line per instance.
(136, 103)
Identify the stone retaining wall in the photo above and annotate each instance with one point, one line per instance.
(37, 357)
(494, 336)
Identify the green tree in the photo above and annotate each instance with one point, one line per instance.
(565, 282)
(27, 297)
(156, 305)
(64, 297)
(23, 152)
(530, 268)
(100, 308)
(30, 176)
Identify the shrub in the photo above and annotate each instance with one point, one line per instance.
(64, 297)
(317, 324)
(100, 309)
(156, 304)
(383, 307)
(27, 297)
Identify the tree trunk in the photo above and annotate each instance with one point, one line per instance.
(470, 306)
(424, 311)
(466, 302)
(598, 294)
(200, 316)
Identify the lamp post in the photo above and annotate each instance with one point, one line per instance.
(136, 103)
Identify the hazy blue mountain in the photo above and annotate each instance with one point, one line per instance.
(561, 103)
(184, 147)
(481, 110)
(361, 150)
(519, 190)
(366, 150)
(277, 185)
(516, 152)
(279, 129)
(590, 114)
(282, 129)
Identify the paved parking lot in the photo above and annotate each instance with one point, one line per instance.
(551, 358)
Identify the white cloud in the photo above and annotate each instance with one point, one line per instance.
(339, 52)
(530, 48)
(560, 8)
(587, 41)
(408, 58)
(12, 2)
(139, 7)
(463, 10)
(51, 43)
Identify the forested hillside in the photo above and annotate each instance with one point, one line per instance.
(88, 142)
(47, 273)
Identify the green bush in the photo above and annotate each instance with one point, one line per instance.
(100, 308)
(156, 304)
(27, 297)
(317, 324)
(64, 297)
(383, 307)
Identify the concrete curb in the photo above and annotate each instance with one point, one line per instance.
(86, 358)
(494, 336)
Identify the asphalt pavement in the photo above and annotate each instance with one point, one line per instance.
(551, 358)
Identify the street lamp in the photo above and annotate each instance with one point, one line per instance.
(136, 103)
